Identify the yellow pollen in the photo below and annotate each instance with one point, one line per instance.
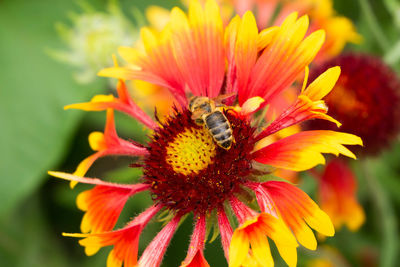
(191, 151)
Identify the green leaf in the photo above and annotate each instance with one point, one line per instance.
(25, 239)
(35, 130)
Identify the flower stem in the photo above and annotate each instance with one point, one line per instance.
(386, 214)
(374, 25)
(393, 7)
(393, 54)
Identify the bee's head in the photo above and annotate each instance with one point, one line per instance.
(192, 102)
(200, 102)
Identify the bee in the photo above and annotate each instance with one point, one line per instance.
(209, 112)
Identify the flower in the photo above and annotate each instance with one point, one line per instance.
(93, 36)
(365, 100)
(337, 195)
(296, 208)
(185, 169)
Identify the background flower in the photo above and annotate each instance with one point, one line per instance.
(93, 36)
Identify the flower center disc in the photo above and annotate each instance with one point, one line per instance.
(191, 151)
(188, 171)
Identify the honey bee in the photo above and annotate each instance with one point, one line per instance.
(209, 112)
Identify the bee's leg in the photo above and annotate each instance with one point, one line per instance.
(221, 107)
(197, 117)
(199, 121)
(224, 109)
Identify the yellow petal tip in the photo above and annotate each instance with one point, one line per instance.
(72, 184)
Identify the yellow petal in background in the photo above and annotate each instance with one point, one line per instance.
(158, 17)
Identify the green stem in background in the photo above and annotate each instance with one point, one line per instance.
(385, 211)
(393, 55)
(393, 7)
(374, 25)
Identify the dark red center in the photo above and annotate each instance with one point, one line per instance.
(208, 187)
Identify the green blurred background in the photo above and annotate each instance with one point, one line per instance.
(37, 135)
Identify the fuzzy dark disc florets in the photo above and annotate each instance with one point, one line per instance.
(188, 171)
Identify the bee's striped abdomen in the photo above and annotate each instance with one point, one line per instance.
(220, 129)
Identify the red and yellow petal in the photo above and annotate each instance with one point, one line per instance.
(251, 105)
(266, 36)
(276, 230)
(302, 110)
(131, 108)
(337, 194)
(230, 36)
(195, 257)
(197, 261)
(225, 230)
(97, 103)
(253, 232)
(321, 86)
(102, 204)
(304, 150)
(198, 41)
(246, 49)
(186, 41)
(283, 59)
(339, 30)
(260, 248)
(238, 248)
(308, 105)
(85, 164)
(154, 252)
(297, 210)
(355, 215)
(288, 253)
(123, 103)
(107, 144)
(132, 73)
(125, 240)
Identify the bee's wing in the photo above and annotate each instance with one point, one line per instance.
(221, 98)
